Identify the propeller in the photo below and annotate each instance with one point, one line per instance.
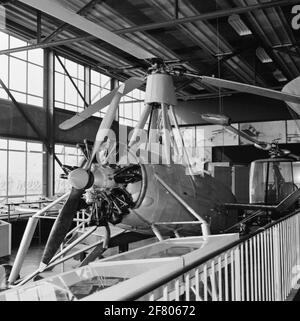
(62, 225)
(80, 179)
(129, 85)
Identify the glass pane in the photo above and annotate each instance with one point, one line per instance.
(105, 81)
(3, 172)
(4, 68)
(3, 143)
(16, 144)
(95, 93)
(3, 94)
(16, 173)
(59, 149)
(21, 98)
(280, 181)
(71, 93)
(136, 94)
(36, 56)
(136, 110)
(58, 66)
(60, 184)
(17, 74)
(59, 87)
(35, 80)
(128, 110)
(70, 150)
(80, 85)
(293, 131)
(35, 101)
(34, 173)
(15, 43)
(71, 160)
(71, 107)
(258, 174)
(59, 105)
(34, 147)
(71, 68)
(3, 41)
(81, 72)
(121, 110)
(95, 77)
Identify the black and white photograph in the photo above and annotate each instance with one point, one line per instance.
(150, 153)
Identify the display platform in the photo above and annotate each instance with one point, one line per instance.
(114, 277)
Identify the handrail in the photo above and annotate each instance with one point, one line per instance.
(174, 274)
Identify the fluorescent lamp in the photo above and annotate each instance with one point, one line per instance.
(279, 75)
(238, 25)
(263, 56)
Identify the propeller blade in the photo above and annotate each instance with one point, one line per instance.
(130, 84)
(55, 9)
(255, 90)
(107, 122)
(62, 225)
(293, 88)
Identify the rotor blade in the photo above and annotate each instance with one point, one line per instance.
(106, 122)
(255, 90)
(293, 87)
(55, 9)
(130, 84)
(258, 143)
(62, 224)
(224, 121)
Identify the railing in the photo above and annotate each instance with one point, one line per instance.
(260, 267)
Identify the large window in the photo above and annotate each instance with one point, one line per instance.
(21, 169)
(22, 72)
(68, 155)
(66, 95)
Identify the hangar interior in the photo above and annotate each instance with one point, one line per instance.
(52, 69)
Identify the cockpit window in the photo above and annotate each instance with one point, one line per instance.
(271, 181)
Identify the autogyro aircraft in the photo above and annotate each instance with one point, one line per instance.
(138, 197)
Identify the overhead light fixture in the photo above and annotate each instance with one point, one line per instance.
(263, 56)
(279, 75)
(238, 25)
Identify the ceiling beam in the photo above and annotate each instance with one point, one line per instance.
(207, 16)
